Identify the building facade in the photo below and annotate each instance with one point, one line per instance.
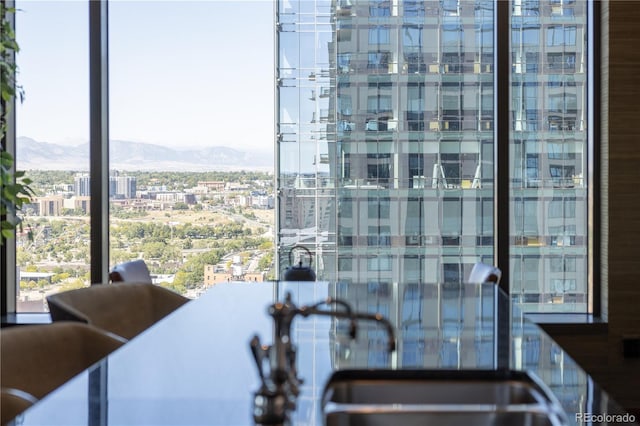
(120, 187)
(82, 184)
(386, 142)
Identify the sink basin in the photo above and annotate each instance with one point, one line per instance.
(500, 387)
(438, 397)
(443, 418)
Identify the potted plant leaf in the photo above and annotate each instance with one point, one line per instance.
(14, 185)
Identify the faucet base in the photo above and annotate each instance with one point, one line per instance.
(270, 408)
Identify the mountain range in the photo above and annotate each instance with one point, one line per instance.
(127, 155)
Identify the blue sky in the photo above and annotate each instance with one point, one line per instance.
(182, 73)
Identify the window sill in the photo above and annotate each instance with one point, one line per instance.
(569, 323)
(25, 319)
(545, 318)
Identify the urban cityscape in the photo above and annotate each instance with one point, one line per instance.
(191, 237)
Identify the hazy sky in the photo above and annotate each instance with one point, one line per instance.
(182, 73)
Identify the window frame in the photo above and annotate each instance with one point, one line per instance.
(99, 168)
(98, 49)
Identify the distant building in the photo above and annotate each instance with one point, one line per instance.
(63, 188)
(233, 186)
(119, 186)
(262, 202)
(244, 201)
(82, 184)
(122, 186)
(212, 185)
(35, 276)
(50, 206)
(162, 278)
(82, 204)
(176, 197)
(215, 274)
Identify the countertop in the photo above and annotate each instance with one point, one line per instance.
(195, 368)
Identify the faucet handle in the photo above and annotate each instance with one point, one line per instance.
(259, 354)
(294, 380)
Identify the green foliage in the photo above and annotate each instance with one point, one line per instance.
(250, 215)
(180, 206)
(28, 285)
(266, 246)
(120, 256)
(16, 191)
(120, 213)
(192, 272)
(180, 180)
(72, 285)
(8, 68)
(57, 278)
(62, 241)
(266, 261)
(178, 288)
(51, 179)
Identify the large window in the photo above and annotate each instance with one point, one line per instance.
(179, 197)
(52, 127)
(399, 109)
(423, 134)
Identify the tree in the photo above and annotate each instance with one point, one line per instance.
(191, 274)
(266, 261)
(266, 245)
(27, 285)
(181, 206)
(57, 278)
(153, 250)
(72, 285)
(178, 288)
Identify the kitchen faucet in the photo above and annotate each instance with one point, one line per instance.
(280, 387)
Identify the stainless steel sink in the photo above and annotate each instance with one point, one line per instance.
(432, 387)
(440, 397)
(439, 418)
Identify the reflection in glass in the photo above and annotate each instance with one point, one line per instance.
(409, 118)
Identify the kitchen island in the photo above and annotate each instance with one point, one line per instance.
(195, 367)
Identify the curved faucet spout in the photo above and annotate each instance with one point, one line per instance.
(391, 342)
(353, 328)
(306, 311)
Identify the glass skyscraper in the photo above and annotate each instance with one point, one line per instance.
(385, 138)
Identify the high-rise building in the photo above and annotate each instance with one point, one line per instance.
(385, 134)
(124, 186)
(82, 184)
(119, 186)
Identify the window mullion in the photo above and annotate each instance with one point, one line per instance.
(502, 82)
(99, 139)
